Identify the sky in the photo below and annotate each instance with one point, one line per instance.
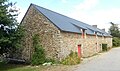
(92, 12)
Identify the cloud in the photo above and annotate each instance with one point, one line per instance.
(84, 12)
(87, 4)
(108, 15)
(102, 18)
(64, 1)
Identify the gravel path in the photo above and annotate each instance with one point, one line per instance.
(109, 61)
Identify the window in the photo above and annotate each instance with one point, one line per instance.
(83, 33)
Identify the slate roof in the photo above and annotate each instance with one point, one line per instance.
(67, 24)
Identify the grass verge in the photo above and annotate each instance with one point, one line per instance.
(16, 67)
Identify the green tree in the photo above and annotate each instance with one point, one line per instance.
(10, 31)
(114, 30)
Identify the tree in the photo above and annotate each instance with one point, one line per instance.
(114, 30)
(10, 31)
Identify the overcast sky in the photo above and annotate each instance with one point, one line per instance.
(99, 12)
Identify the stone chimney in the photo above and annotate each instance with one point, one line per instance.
(94, 26)
(103, 29)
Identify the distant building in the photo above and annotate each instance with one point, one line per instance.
(60, 34)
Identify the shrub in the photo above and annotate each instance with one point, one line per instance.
(104, 47)
(71, 59)
(38, 56)
(51, 60)
(116, 42)
(3, 62)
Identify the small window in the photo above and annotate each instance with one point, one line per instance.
(83, 33)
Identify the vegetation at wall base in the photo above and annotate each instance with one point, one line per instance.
(71, 59)
(52, 60)
(104, 47)
(38, 56)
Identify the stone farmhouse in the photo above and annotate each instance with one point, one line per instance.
(60, 34)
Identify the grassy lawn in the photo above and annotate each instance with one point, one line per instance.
(13, 67)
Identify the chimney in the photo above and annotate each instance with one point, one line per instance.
(94, 26)
(103, 29)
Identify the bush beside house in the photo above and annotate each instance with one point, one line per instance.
(71, 59)
(116, 41)
(38, 56)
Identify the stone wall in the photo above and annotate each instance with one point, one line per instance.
(108, 41)
(90, 45)
(72, 40)
(36, 23)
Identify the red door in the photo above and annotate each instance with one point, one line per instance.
(79, 50)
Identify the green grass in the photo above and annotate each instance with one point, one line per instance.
(16, 67)
(116, 47)
(13, 67)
